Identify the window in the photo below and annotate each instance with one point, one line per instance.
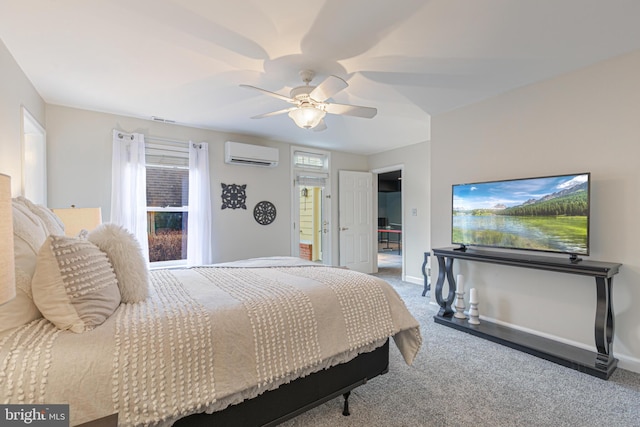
(167, 166)
(310, 161)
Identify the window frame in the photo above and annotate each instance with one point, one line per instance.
(167, 149)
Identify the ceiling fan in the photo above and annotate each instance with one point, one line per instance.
(309, 102)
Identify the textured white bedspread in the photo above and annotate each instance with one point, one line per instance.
(206, 338)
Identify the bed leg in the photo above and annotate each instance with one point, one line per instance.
(345, 411)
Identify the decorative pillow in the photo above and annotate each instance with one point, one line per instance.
(29, 233)
(53, 224)
(125, 254)
(74, 285)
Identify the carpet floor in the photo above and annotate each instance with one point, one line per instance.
(461, 380)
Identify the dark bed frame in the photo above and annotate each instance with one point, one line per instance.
(289, 400)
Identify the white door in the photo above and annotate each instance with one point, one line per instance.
(356, 220)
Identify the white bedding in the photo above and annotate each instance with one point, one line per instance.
(206, 338)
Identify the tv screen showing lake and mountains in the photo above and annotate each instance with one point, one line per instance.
(548, 214)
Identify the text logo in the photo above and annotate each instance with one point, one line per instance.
(34, 415)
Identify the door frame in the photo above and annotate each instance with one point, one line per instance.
(376, 172)
(325, 200)
(33, 158)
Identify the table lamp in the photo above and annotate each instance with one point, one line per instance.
(7, 270)
(78, 219)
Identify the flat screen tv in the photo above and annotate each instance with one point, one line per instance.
(549, 214)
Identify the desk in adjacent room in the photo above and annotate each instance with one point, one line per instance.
(391, 231)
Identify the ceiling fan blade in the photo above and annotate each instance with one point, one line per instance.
(351, 110)
(273, 113)
(329, 87)
(320, 126)
(275, 95)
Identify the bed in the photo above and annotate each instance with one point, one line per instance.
(221, 342)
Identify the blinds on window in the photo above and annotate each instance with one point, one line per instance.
(311, 180)
(167, 173)
(307, 160)
(167, 154)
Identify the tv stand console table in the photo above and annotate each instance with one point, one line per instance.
(600, 363)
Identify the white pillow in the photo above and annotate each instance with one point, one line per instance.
(74, 285)
(29, 233)
(51, 221)
(125, 254)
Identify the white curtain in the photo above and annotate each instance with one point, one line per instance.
(129, 186)
(199, 222)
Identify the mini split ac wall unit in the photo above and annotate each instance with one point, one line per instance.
(237, 153)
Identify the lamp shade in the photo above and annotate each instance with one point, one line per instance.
(77, 219)
(307, 116)
(7, 270)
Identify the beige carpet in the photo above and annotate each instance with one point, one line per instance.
(460, 380)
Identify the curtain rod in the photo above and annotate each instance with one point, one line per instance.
(122, 135)
(173, 141)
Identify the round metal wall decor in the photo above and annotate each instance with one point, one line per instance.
(264, 213)
(234, 196)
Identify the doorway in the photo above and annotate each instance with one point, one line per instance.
(390, 224)
(311, 205)
(34, 159)
(311, 222)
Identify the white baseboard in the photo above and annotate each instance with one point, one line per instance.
(624, 362)
(413, 279)
(629, 363)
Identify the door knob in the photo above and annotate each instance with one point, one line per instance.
(344, 228)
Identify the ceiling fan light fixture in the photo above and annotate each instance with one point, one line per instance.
(311, 105)
(307, 116)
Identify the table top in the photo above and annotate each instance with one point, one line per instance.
(552, 263)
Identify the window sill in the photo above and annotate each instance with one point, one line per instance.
(160, 265)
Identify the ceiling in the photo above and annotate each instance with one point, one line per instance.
(183, 60)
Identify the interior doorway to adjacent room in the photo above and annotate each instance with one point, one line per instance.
(390, 215)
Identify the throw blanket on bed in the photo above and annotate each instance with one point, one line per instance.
(206, 338)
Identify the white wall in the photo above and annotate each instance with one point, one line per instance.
(583, 121)
(79, 170)
(16, 91)
(415, 195)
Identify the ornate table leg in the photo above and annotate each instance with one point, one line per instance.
(445, 266)
(604, 325)
(427, 284)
